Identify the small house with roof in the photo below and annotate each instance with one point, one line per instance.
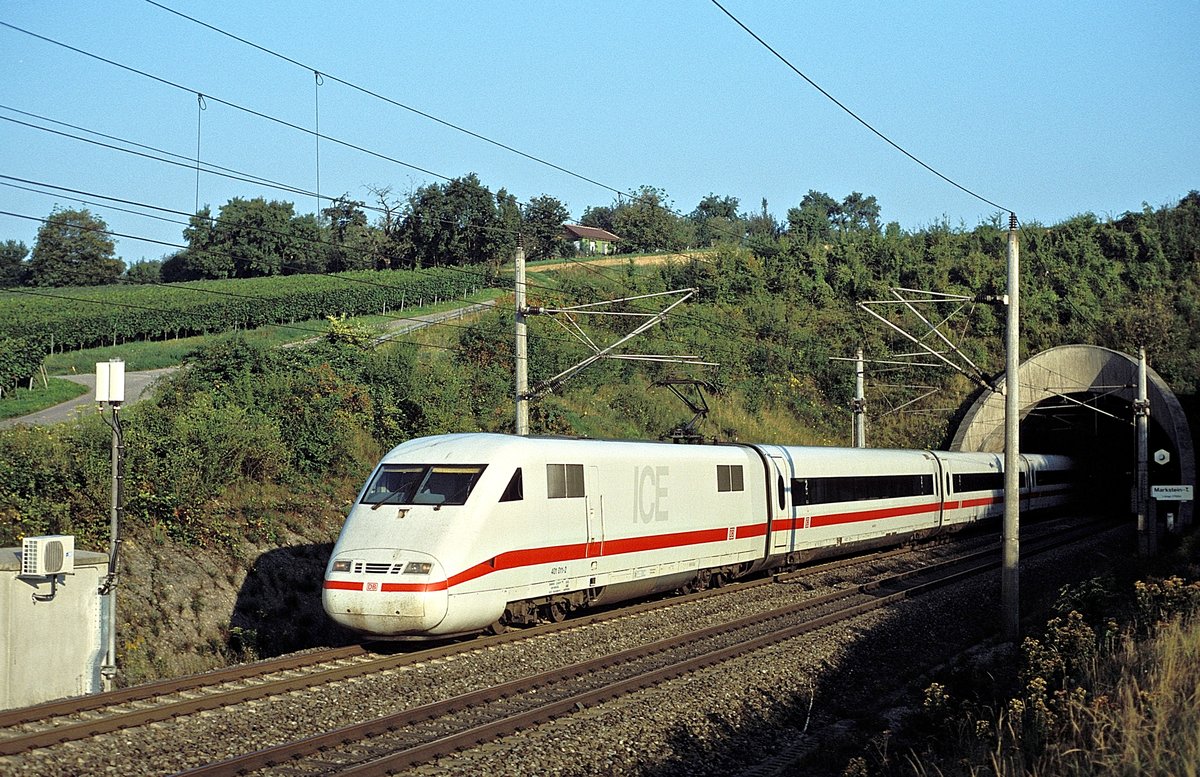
(590, 240)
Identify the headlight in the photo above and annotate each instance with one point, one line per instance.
(417, 568)
(341, 566)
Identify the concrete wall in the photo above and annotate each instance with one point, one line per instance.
(50, 649)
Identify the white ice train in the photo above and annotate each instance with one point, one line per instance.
(457, 533)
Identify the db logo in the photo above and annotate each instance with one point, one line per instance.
(372, 586)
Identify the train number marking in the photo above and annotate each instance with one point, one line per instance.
(558, 570)
(650, 491)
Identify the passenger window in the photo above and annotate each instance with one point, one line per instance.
(564, 481)
(729, 477)
(515, 490)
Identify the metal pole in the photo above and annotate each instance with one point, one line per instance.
(860, 403)
(522, 344)
(1141, 410)
(1010, 580)
(108, 670)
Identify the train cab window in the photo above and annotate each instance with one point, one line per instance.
(729, 478)
(422, 484)
(515, 490)
(564, 481)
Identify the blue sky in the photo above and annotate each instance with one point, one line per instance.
(1049, 110)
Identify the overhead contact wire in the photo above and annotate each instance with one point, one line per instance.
(854, 115)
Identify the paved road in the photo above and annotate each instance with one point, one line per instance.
(136, 384)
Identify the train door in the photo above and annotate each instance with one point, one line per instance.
(941, 487)
(1025, 485)
(595, 513)
(783, 523)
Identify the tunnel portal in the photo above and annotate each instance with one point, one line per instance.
(1079, 400)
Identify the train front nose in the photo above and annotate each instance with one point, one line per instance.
(385, 592)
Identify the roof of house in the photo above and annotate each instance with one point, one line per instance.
(590, 233)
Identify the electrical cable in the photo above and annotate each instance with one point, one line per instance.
(336, 276)
(271, 52)
(390, 101)
(226, 103)
(212, 220)
(190, 165)
(854, 115)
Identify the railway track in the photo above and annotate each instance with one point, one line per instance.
(405, 739)
(51, 724)
(67, 720)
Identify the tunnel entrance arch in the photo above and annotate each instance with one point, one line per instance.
(1078, 399)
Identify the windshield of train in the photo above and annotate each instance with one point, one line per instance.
(422, 484)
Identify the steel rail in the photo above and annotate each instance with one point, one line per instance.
(909, 584)
(160, 688)
(167, 710)
(243, 672)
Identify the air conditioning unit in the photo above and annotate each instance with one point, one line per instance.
(47, 556)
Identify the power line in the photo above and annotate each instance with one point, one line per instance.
(389, 100)
(184, 161)
(250, 179)
(259, 114)
(215, 221)
(226, 103)
(321, 73)
(212, 220)
(854, 115)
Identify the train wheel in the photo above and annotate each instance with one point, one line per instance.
(555, 611)
(499, 627)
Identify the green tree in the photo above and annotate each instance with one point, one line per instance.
(12, 262)
(762, 231)
(542, 226)
(203, 258)
(455, 223)
(354, 243)
(813, 220)
(73, 249)
(716, 219)
(145, 271)
(307, 248)
(646, 223)
(257, 236)
(250, 239)
(859, 213)
(599, 216)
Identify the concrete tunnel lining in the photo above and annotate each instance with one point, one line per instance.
(1075, 369)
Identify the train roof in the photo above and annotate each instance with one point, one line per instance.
(481, 446)
(469, 447)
